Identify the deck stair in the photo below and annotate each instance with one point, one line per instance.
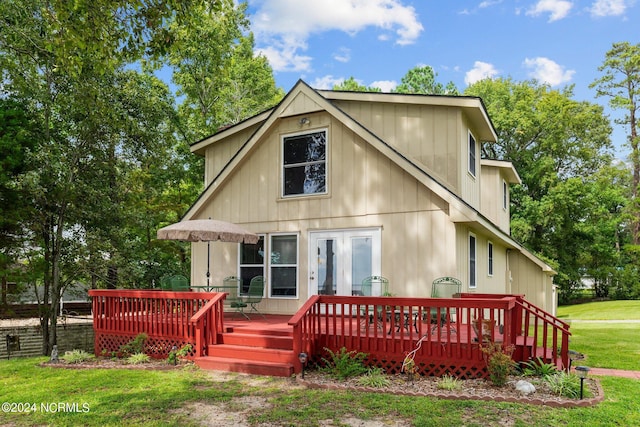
(255, 351)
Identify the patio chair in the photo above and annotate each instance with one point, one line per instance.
(179, 283)
(255, 294)
(444, 287)
(165, 283)
(231, 285)
(370, 313)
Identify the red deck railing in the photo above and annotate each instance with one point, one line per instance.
(120, 315)
(443, 335)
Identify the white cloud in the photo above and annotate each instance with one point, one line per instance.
(489, 3)
(602, 8)
(558, 9)
(343, 55)
(327, 82)
(481, 70)
(548, 71)
(385, 85)
(284, 26)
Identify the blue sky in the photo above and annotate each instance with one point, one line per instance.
(559, 42)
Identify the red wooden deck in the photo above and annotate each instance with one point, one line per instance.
(386, 328)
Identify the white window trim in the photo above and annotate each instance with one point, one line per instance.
(296, 265)
(490, 258)
(473, 272)
(264, 263)
(475, 155)
(326, 163)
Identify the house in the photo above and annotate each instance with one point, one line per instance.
(344, 185)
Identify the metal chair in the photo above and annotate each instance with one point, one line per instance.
(254, 294)
(165, 283)
(444, 287)
(373, 314)
(231, 285)
(179, 283)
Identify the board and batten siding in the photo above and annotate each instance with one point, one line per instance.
(365, 189)
(485, 283)
(219, 153)
(427, 134)
(491, 203)
(536, 287)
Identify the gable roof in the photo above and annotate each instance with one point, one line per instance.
(460, 210)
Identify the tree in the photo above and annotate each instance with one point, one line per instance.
(422, 79)
(352, 85)
(558, 145)
(621, 84)
(57, 59)
(215, 68)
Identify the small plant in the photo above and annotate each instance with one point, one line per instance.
(344, 364)
(178, 354)
(410, 368)
(77, 356)
(499, 362)
(375, 377)
(537, 368)
(134, 346)
(450, 383)
(138, 359)
(564, 384)
(184, 351)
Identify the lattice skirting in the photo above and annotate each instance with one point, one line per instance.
(459, 369)
(156, 347)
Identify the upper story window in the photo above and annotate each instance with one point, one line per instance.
(472, 155)
(304, 164)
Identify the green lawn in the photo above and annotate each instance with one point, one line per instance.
(157, 398)
(607, 310)
(607, 343)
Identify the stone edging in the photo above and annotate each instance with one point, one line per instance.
(565, 403)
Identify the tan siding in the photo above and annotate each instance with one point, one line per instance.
(530, 281)
(491, 202)
(366, 190)
(428, 134)
(218, 154)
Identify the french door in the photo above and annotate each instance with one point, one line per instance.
(340, 259)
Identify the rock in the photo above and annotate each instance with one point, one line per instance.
(525, 387)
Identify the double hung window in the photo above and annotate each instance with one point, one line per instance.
(304, 168)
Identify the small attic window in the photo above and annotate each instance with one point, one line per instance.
(304, 164)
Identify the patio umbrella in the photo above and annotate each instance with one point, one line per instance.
(207, 230)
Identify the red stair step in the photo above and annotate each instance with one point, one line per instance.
(280, 342)
(245, 366)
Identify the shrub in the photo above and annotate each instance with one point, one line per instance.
(499, 362)
(134, 346)
(176, 354)
(375, 377)
(450, 383)
(537, 368)
(344, 364)
(565, 384)
(77, 356)
(138, 358)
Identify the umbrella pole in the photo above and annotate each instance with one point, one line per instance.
(208, 257)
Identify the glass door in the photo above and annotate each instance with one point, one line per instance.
(340, 260)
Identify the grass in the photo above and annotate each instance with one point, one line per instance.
(606, 310)
(152, 398)
(607, 344)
